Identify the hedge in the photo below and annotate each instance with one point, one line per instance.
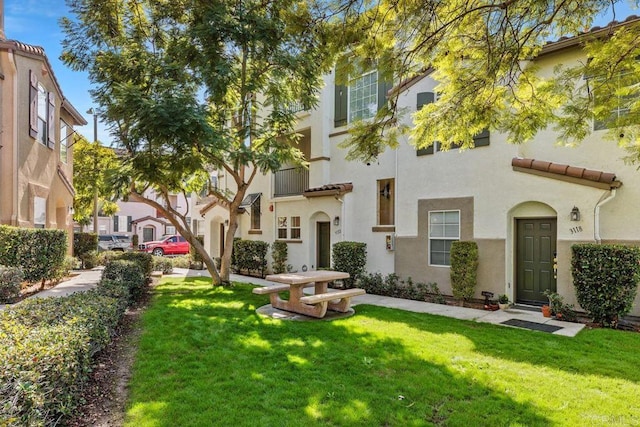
(39, 252)
(464, 269)
(46, 346)
(350, 257)
(606, 279)
(250, 256)
(279, 255)
(129, 272)
(84, 247)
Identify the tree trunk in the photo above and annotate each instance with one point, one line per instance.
(225, 265)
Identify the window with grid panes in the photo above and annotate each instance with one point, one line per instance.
(444, 229)
(295, 227)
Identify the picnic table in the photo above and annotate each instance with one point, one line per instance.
(315, 305)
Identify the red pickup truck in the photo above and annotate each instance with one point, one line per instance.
(169, 245)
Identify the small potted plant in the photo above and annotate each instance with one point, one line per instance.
(503, 301)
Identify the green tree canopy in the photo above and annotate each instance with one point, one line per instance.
(483, 54)
(190, 86)
(92, 165)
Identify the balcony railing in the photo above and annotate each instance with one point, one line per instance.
(291, 182)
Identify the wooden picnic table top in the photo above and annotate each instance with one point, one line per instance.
(307, 277)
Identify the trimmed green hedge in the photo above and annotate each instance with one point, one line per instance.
(606, 279)
(464, 269)
(350, 257)
(129, 272)
(250, 256)
(46, 346)
(279, 255)
(39, 252)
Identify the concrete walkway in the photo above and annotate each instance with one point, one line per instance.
(88, 279)
(496, 317)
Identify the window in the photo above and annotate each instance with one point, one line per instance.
(386, 201)
(121, 223)
(42, 115)
(255, 214)
(64, 141)
(295, 227)
(39, 212)
(282, 227)
(364, 94)
(170, 229)
(625, 93)
(444, 229)
(480, 140)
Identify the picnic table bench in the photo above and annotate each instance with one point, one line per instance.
(315, 305)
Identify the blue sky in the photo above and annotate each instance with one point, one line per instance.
(36, 22)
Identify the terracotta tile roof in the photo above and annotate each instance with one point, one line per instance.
(329, 190)
(570, 173)
(149, 218)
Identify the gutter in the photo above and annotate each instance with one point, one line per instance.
(606, 198)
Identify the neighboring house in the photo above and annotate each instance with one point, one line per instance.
(36, 154)
(141, 219)
(525, 205)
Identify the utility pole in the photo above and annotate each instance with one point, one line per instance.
(95, 168)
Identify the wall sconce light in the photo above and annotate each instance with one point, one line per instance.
(575, 214)
(226, 222)
(336, 221)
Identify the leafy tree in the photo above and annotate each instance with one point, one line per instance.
(190, 86)
(92, 164)
(483, 54)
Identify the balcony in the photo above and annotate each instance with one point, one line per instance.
(291, 182)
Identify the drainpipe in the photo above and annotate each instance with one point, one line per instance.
(14, 139)
(342, 221)
(606, 198)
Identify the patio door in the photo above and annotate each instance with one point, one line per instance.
(535, 259)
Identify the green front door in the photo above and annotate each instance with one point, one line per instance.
(535, 254)
(324, 244)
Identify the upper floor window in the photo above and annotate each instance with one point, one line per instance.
(444, 229)
(64, 141)
(41, 112)
(386, 201)
(480, 140)
(621, 96)
(364, 94)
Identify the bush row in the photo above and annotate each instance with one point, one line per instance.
(249, 256)
(39, 252)
(392, 286)
(10, 280)
(46, 344)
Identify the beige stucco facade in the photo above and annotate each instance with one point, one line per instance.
(36, 177)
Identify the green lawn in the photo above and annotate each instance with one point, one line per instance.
(206, 358)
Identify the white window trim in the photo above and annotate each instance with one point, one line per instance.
(299, 227)
(42, 115)
(64, 142)
(440, 238)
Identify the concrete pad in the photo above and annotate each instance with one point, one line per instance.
(276, 313)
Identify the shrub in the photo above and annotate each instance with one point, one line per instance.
(104, 257)
(606, 279)
(128, 272)
(250, 255)
(350, 257)
(163, 264)
(464, 267)
(83, 245)
(135, 241)
(279, 256)
(143, 259)
(10, 279)
(393, 286)
(182, 261)
(39, 252)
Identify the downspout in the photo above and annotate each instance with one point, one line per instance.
(342, 210)
(606, 198)
(14, 137)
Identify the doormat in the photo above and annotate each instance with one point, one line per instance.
(531, 325)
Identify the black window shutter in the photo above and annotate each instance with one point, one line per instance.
(340, 110)
(129, 219)
(115, 223)
(383, 88)
(482, 139)
(33, 104)
(51, 116)
(422, 99)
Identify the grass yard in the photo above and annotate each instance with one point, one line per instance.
(207, 359)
